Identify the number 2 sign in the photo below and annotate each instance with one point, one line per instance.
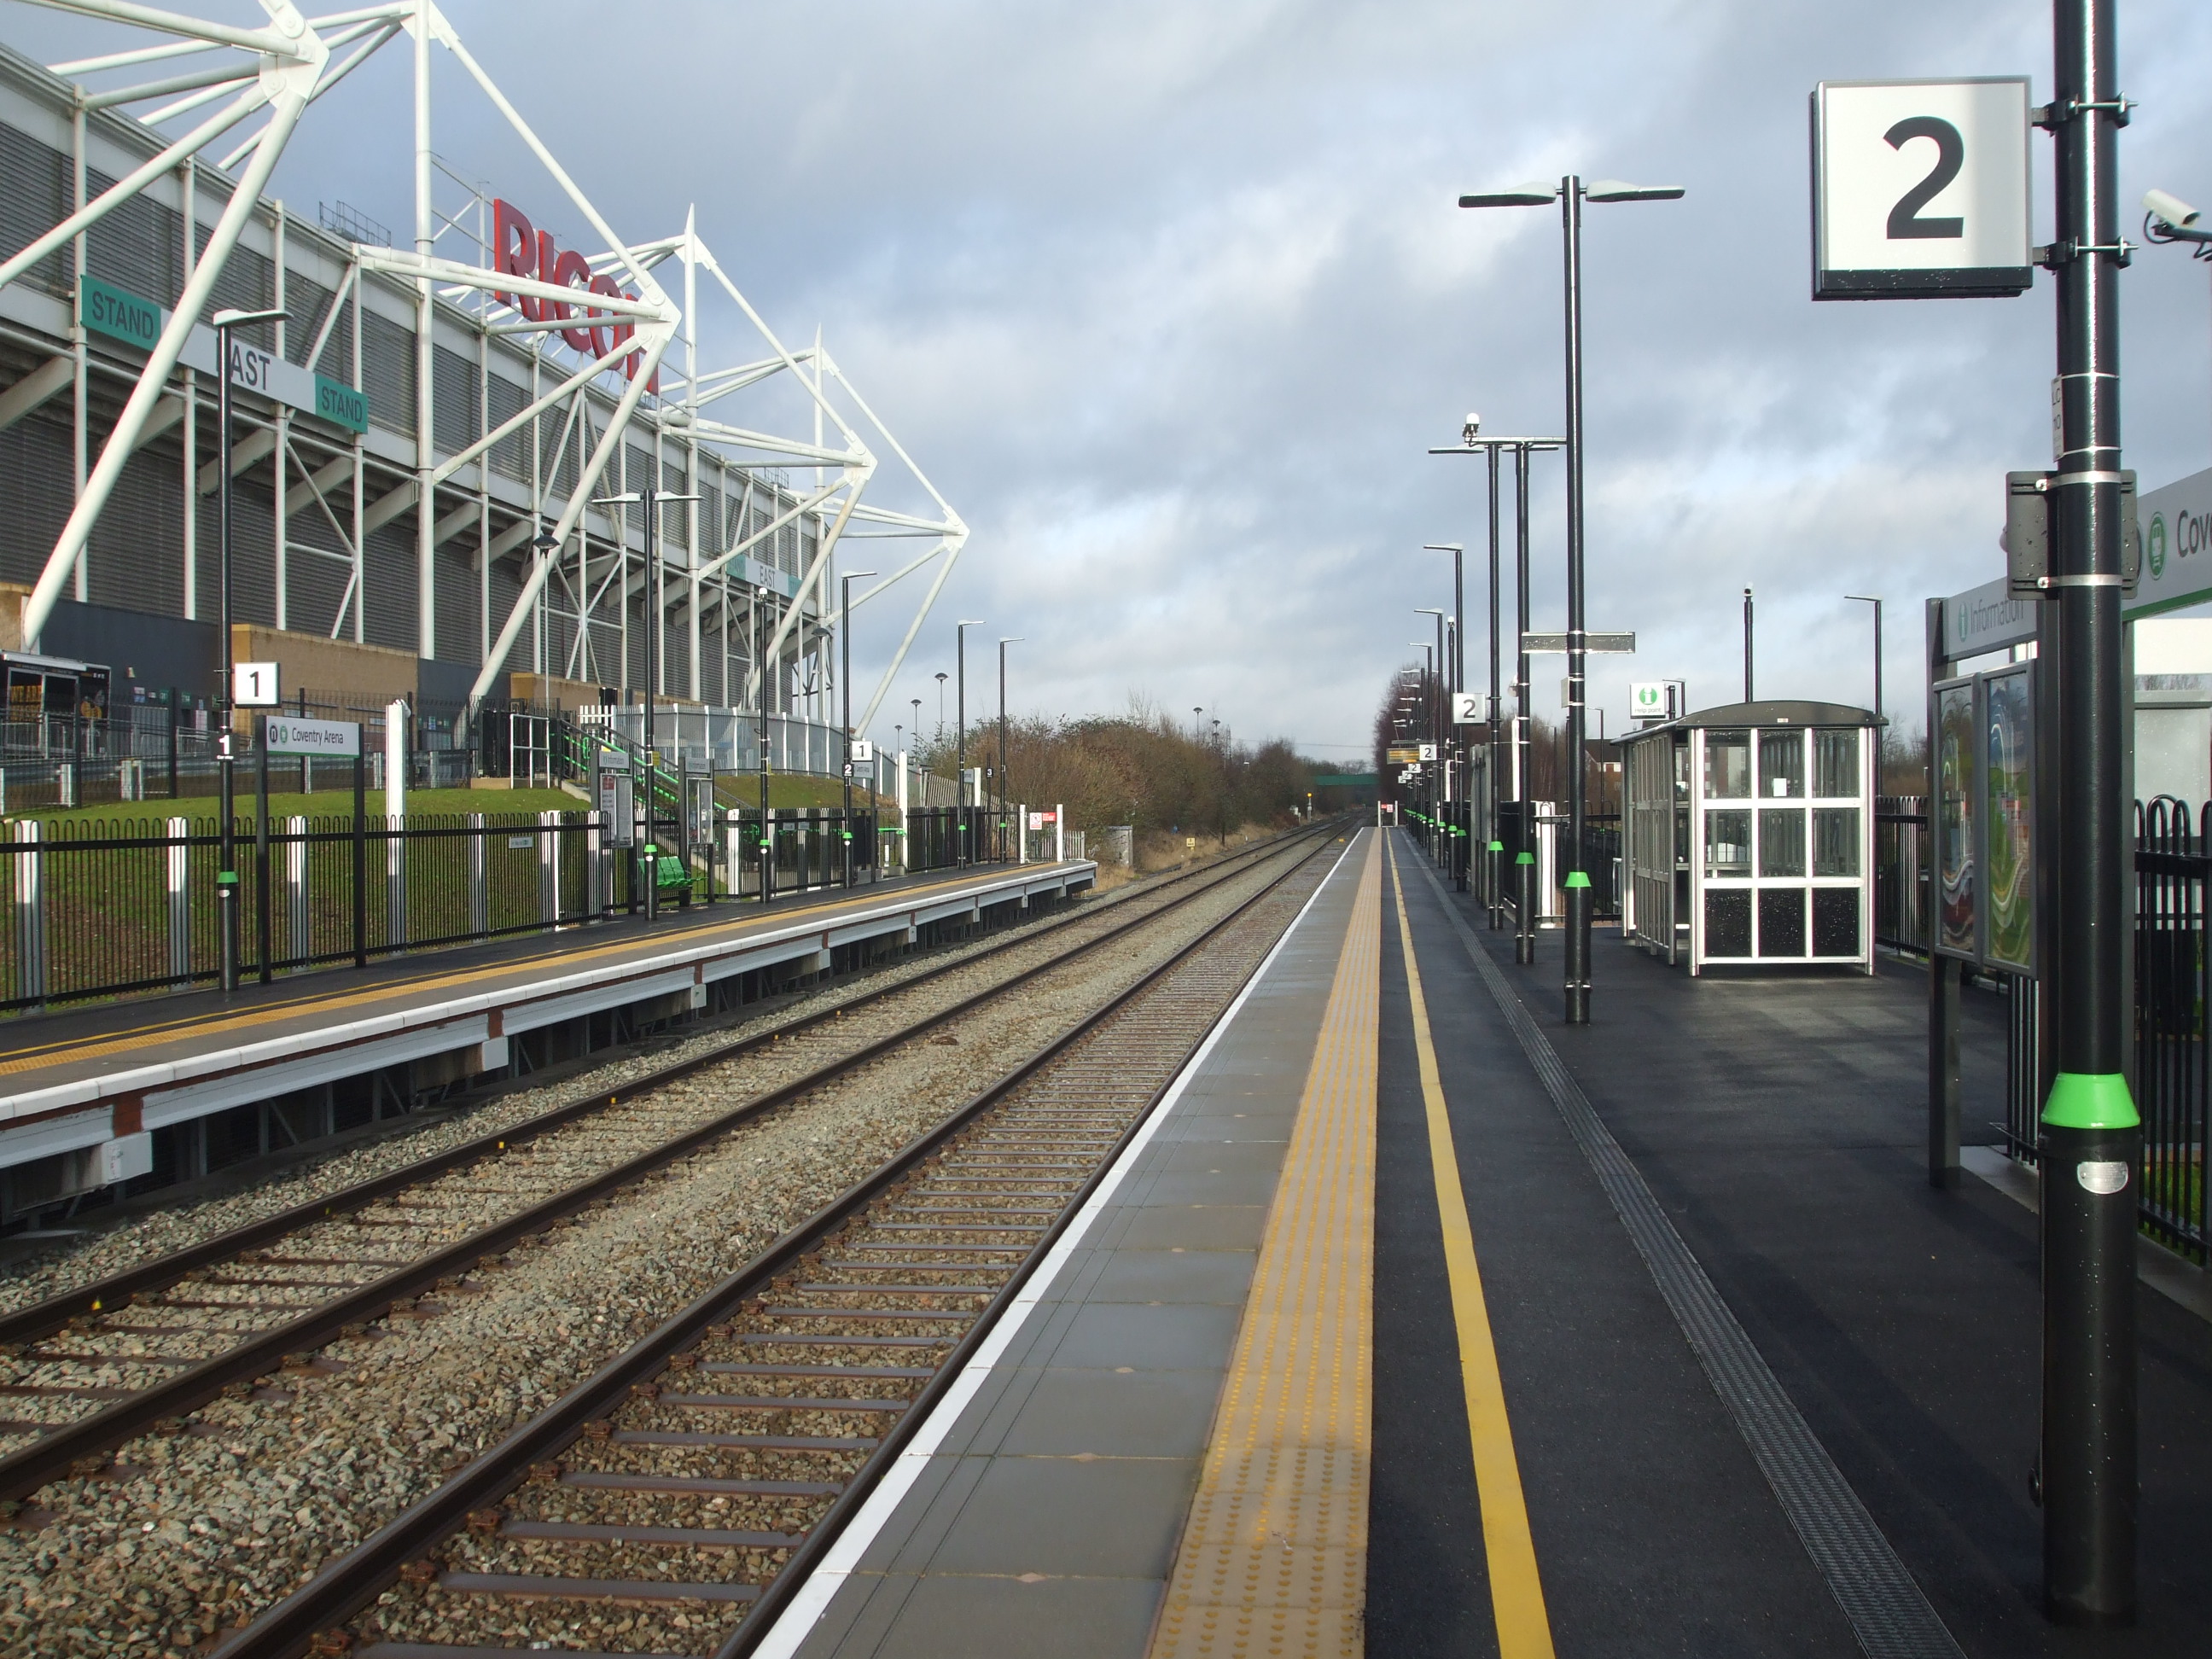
(1920, 189)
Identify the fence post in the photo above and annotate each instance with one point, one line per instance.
(360, 852)
(395, 880)
(180, 906)
(1059, 832)
(595, 869)
(301, 942)
(548, 867)
(479, 899)
(30, 913)
(733, 840)
(261, 844)
(175, 697)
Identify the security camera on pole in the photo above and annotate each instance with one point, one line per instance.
(1921, 190)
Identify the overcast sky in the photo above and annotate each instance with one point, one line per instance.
(1169, 299)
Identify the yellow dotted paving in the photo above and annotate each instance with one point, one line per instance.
(1273, 1557)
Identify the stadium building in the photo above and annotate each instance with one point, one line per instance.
(422, 448)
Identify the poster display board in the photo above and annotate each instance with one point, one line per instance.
(1984, 817)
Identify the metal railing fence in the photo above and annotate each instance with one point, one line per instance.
(1900, 873)
(2173, 863)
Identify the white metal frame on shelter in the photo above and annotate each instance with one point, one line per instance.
(280, 71)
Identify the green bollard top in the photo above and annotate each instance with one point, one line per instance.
(1526, 857)
(2081, 1101)
(1578, 878)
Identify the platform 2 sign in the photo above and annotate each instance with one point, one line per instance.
(1921, 189)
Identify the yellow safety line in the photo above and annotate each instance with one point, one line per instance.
(1274, 1557)
(28, 1057)
(1516, 1589)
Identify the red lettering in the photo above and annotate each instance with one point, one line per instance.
(602, 336)
(512, 250)
(570, 269)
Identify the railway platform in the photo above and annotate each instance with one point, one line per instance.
(84, 1077)
(1416, 1322)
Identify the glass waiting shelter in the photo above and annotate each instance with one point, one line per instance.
(1750, 836)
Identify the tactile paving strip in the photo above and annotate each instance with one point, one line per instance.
(1888, 1612)
(1273, 1557)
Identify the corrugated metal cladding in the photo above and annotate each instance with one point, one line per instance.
(452, 400)
(387, 372)
(140, 246)
(34, 455)
(455, 565)
(309, 302)
(247, 281)
(510, 457)
(34, 193)
(390, 555)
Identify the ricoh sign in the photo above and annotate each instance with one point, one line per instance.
(520, 249)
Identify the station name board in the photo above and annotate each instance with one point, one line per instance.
(122, 315)
(520, 249)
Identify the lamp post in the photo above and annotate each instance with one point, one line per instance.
(1436, 723)
(651, 499)
(1571, 193)
(226, 877)
(845, 693)
(1015, 639)
(1746, 645)
(1524, 879)
(1458, 684)
(1879, 730)
(960, 742)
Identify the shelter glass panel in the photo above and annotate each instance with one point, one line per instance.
(1836, 921)
(1728, 921)
(1782, 764)
(1782, 921)
(1728, 765)
(1782, 841)
(1727, 845)
(2008, 761)
(1835, 842)
(1836, 764)
(1954, 817)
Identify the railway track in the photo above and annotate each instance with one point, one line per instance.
(672, 1503)
(137, 1351)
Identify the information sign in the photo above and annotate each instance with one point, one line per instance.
(1920, 189)
(1466, 709)
(1658, 700)
(283, 734)
(2176, 524)
(1428, 751)
(253, 685)
(1553, 644)
(864, 752)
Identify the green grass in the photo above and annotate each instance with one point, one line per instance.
(786, 792)
(322, 804)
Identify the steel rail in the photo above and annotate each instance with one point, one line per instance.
(342, 1587)
(54, 1454)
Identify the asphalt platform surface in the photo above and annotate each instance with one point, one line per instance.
(1781, 1123)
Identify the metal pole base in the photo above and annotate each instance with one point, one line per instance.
(1578, 950)
(2087, 1471)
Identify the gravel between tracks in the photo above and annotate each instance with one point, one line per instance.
(205, 1527)
(126, 1243)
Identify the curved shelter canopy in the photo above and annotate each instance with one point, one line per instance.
(1750, 836)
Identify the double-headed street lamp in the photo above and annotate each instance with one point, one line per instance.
(1013, 639)
(1571, 193)
(651, 499)
(1439, 782)
(1473, 443)
(960, 738)
(226, 878)
(845, 692)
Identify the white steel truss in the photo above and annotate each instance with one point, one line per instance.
(285, 68)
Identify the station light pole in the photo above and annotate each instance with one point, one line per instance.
(1014, 639)
(1438, 786)
(651, 499)
(1746, 645)
(1879, 731)
(1571, 193)
(960, 734)
(845, 693)
(1472, 442)
(226, 876)
(1458, 684)
(2091, 1141)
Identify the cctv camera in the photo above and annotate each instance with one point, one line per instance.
(2170, 209)
(1473, 425)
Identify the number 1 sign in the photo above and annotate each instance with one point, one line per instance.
(1920, 189)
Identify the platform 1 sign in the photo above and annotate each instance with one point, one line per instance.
(1920, 189)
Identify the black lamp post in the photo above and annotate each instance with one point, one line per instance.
(1458, 685)
(1016, 639)
(651, 499)
(1571, 193)
(960, 738)
(227, 323)
(845, 692)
